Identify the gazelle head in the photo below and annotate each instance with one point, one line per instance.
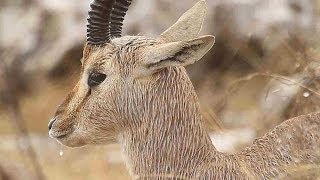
(124, 78)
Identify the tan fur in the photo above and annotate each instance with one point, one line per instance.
(148, 104)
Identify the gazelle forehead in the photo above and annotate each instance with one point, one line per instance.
(119, 47)
(99, 56)
(127, 48)
(132, 42)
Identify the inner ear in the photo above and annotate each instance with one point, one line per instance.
(176, 58)
(181, 53)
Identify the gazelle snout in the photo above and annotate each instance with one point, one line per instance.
(63, 130)
(60, 125)
(67, 124)
(58, 129)
(51, 123)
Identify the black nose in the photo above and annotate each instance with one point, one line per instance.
(51, 123)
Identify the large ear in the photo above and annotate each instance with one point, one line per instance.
(180, 53)
(188, 26)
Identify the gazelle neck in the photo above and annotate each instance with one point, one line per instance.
(172, 141)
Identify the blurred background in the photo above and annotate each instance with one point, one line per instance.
(263, 69)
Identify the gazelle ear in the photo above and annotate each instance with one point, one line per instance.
(188, 26)
(180, 53)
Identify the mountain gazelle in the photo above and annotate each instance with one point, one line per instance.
(135, 91)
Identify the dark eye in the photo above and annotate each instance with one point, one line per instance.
(95, 79)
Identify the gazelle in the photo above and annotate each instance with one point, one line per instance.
(135, 91)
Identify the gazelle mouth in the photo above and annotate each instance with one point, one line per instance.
(62, 136)
(59, 135)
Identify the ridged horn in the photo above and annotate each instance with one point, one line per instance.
(105, 20)
(118, 13)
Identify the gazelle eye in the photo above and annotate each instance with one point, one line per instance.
(96, 78)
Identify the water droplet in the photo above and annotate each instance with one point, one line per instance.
(306, 94)
(61, 153)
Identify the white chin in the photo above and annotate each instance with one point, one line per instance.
(71, 141)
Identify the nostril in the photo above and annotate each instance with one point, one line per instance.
(51, 123)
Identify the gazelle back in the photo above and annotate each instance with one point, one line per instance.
(135, 91)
